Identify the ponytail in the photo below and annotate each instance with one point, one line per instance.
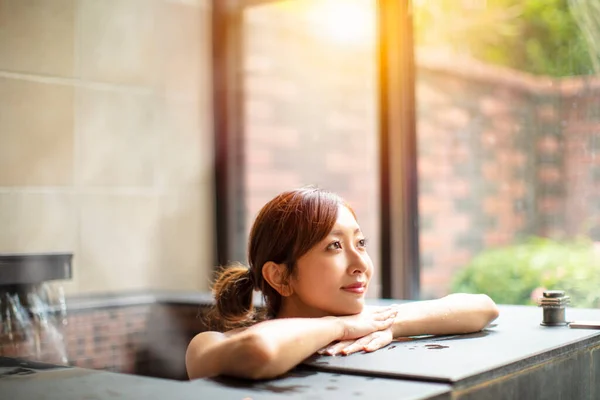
(232, 291)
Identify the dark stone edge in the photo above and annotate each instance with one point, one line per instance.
(34, 268)
(588, 344)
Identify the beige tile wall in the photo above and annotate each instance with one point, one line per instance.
(105, 139)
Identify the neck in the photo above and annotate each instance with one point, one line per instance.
(292, 308)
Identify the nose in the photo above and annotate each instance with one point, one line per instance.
(358, 262)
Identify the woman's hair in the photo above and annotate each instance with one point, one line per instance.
(285, 229)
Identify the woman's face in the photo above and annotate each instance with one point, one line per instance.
(332, 277)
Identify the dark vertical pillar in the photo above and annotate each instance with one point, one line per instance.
(398, 151)
(228, 133)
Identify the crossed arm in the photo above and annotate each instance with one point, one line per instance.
(454, 314)
(271, 348)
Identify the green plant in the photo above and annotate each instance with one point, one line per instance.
(516, 274)
(542, 37)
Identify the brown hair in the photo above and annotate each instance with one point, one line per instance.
(285, 229)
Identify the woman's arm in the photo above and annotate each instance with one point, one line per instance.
(453, 314)
(271, 348)
(256, 352)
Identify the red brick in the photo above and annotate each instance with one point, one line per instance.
(505, 126)
(547, 113)
(548, 174)
(280, 136)
(548, 145)
(430, 241)
(491, 172)
(431, 204)
(432, 96)
(493, 106)
(549, 204)
(426, 167)
(517, 159)
(496, 239)
(495, 206)
(516, 189)
(341, 162)
(454, 260)
(454, 117)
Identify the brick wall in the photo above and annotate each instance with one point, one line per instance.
(580, 134)
(502, 155)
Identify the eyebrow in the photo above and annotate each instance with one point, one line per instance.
(340, 232)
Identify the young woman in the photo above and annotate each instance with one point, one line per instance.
(308, 257)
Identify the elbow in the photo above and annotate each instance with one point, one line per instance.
(490, 308)
(480, 309)
(247, 355)
(259, 358)
(486, 311)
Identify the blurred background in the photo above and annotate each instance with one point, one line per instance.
(143, 136)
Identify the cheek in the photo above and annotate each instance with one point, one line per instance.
(318, 279)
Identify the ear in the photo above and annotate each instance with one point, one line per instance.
(276, 275)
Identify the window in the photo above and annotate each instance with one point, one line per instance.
(508, 128)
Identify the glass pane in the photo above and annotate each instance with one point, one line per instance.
(310, 104)
(508, 97)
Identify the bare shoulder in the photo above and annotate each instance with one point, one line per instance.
(235, 331)
(208, 338)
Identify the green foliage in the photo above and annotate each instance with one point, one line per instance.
(510, 275)
(542, 37)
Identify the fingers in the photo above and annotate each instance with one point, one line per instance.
(345, 347)
(360, 325)
(386, 321)
(382, 310)
(358, 345)
(336, 348)
(377, 343)
(369, 343)
(385, 315)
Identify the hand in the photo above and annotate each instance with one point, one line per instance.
(367, 322)
(371, 342)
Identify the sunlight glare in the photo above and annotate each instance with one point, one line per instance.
(349, 22)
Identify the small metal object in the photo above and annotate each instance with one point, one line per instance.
(553, 302)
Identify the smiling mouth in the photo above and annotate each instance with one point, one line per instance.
(356, 288)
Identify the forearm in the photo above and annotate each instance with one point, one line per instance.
(279, 345)
(453, 314)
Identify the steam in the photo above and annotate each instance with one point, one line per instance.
(32, 318)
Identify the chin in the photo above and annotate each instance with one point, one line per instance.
(351, 309)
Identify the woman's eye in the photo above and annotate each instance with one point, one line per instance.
(362, 243)
(334, 246)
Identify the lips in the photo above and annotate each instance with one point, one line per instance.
(355, 285)
(357, 288)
